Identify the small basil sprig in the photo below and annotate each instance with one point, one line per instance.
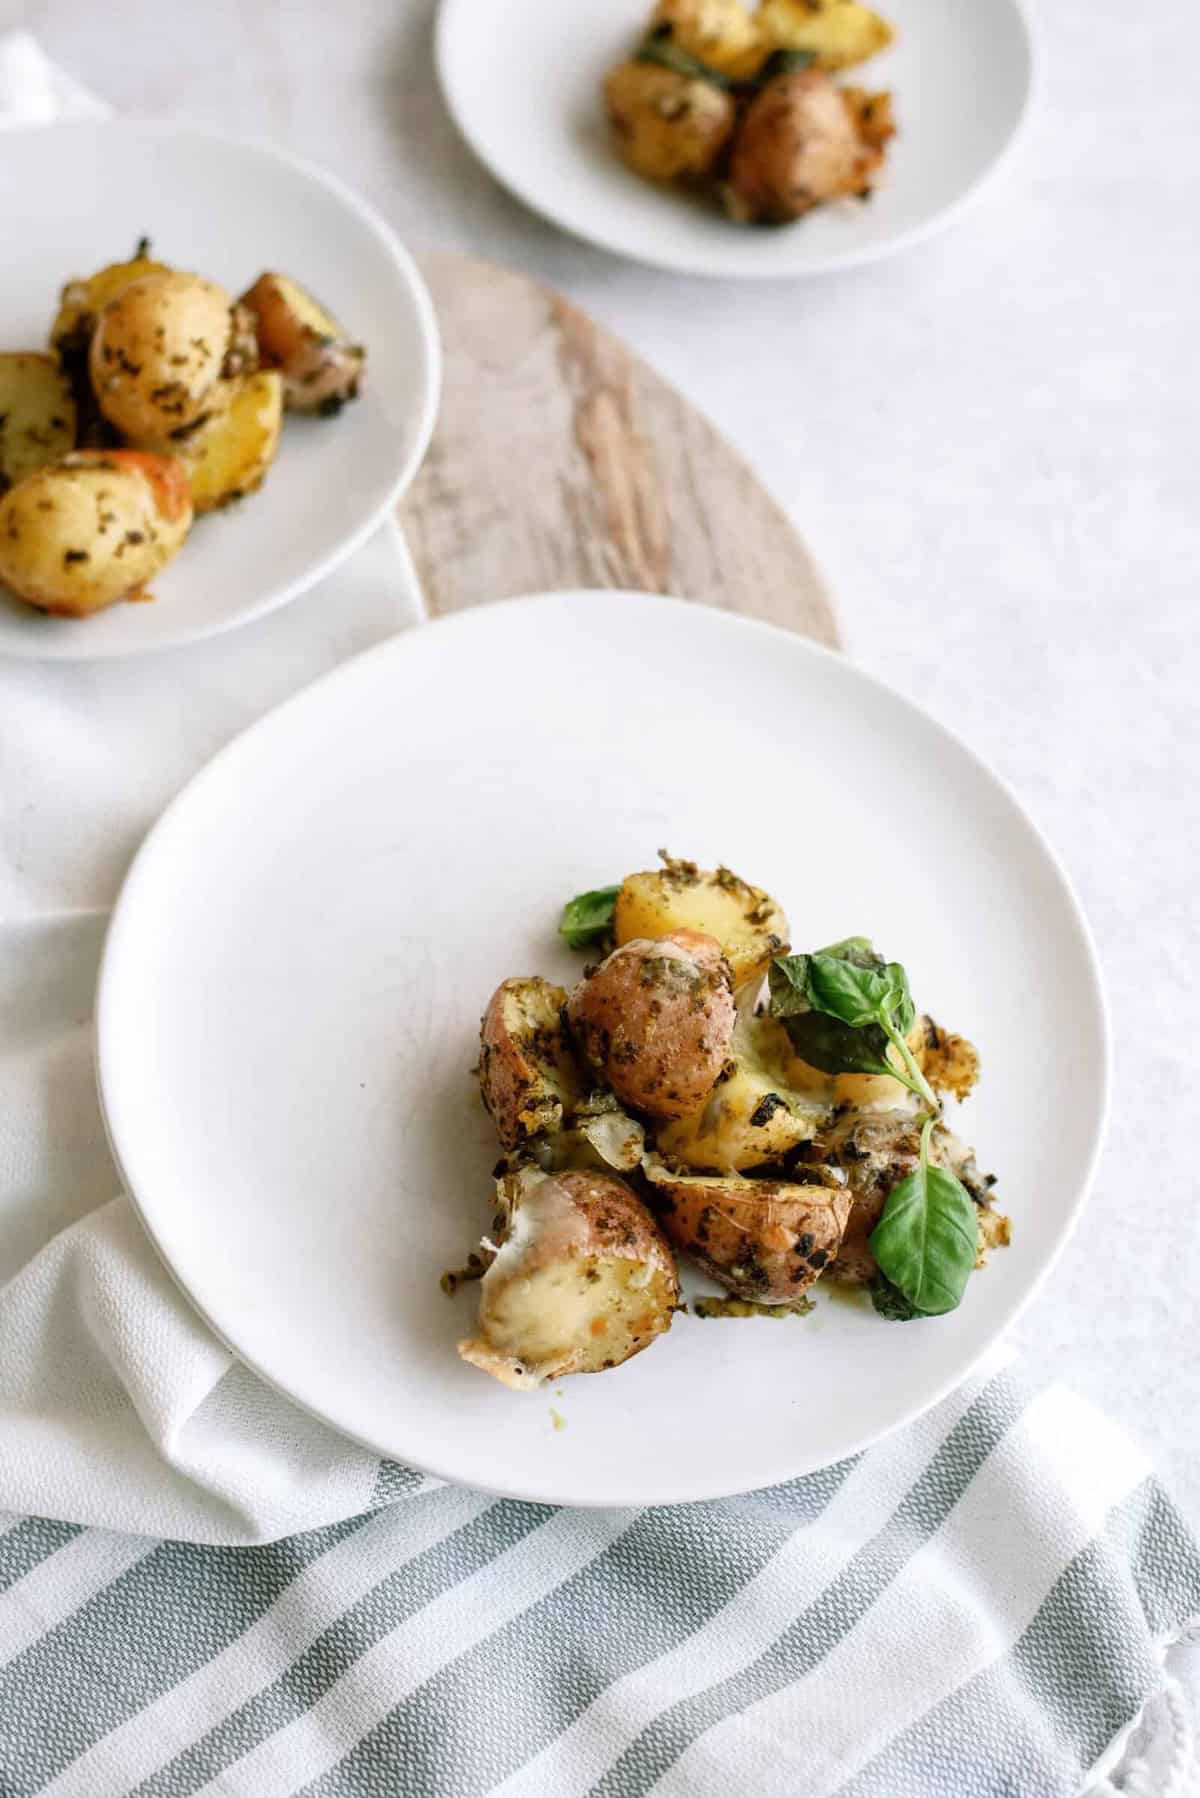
(588, 918)
(845, 1009)
(658, 48)
(927, 1240)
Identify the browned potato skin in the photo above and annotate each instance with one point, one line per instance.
(92, 529)
(655, 1021)
(765, 1240)
(321, 368)
(527, 1074)
(798, 146)
(667, 126)
(591, 1232)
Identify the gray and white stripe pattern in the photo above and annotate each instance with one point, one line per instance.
(974, 1608)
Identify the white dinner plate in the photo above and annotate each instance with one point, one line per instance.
(523, 83)
(76, 196)
(289, 1007)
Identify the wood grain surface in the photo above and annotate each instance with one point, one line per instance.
(560, 460)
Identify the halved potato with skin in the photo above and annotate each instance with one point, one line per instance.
(37, 415)
(766, 1240)
(582, 1281)
(838, 32)
(655, 1021)
(527, 1071)
(321, 368)
(754, 1114)
(748, 924)
(228, 457)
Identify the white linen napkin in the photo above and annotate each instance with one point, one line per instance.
(987, 1605)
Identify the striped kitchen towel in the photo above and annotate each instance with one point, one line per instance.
(980, 1607)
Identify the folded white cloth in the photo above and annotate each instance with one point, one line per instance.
(983, 1606)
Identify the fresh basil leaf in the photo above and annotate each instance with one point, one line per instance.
(588, 917)
(844, 990)
(858, 949)
(835, 1048)
(783, 62)
(927, 1240)
(787, 981)
(659, 49)
(899, 1001)
(890, 1302)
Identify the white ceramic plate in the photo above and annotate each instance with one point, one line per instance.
(289, 1006)
(75, 196)
(523, 84)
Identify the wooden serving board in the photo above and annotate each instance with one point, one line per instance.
(560, 460)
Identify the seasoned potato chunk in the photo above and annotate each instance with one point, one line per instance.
(84, 298)
(667, 126)
(745, 920)
(583, 1280)
(655, 1021)
(37, 415)
(228, 457)
(527, 1072)
(765, 1240)
(157, 353)
(92, 529)
(838, 32)
(721, 33)
(321, 368)
(754, 1115)
(798, 146)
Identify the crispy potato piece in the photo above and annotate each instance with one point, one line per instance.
(798, 146)
(655, 1021)
(839, 32)
(322, 370)
(157, 353)
(750, 927)
(665, 125)
(84, 297)
(754, 1114)
(92, 529)
(582, 1281)
(527, 1071)
(950, 1063)
(229, 457)
(873, 115)
(765, 1240)
(602, 1141)
(721, 33)
(37, 415)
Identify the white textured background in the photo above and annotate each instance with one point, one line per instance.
(991, 444)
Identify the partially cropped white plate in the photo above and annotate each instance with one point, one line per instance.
(523, 83)
(76, 196)
(289, 1007)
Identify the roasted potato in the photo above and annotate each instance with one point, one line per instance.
(84, 298)
(765, 1240)
(37, 415)
(721, 33)
(229, 455)
(322, 369)
(92, 529)
(838, 32)
(797, 147)
(746, 921)
(158, 352)
(667, 126)
(655, 1021)
(603, 1140)
(754, 1115)
(583, 1280)
(527, 1072)
(873, 115)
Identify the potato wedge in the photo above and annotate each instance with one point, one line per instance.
(765, 1240)
(322, 369)
(582, 1281)
(229, 456)
(754, 1115)
(723, 34)
(37, 415)
(840, 33)
(527, 1070)
(655, 1020)
(92, 529)
(750, 927)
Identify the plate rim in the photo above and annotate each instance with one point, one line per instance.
(719, 1487)
(431, 357)
(685, 263)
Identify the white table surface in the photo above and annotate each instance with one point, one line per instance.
(991, 445)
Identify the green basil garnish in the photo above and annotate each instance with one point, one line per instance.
(927, 1240)
(587, 918)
